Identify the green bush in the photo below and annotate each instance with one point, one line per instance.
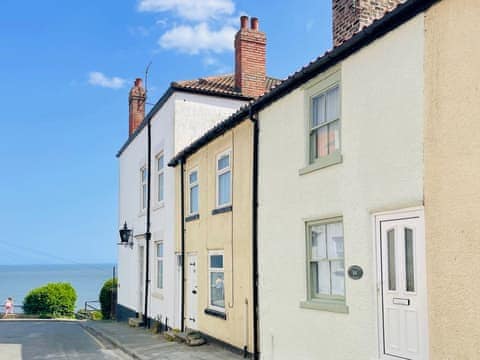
(96, 315)
(51, 300)
(108, 297)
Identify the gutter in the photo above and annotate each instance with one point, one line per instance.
(256, 324)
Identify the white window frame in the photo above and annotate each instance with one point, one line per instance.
(190, 187)
(159, 260)
(143, 188)
(221, 172)
(210, 271)
(333, 303)
(321, 85)
(160, 172)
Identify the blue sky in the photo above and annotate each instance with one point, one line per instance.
(66, 68)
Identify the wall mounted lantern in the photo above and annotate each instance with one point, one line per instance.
(126, 236)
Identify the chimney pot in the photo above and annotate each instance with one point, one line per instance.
(254, 23)
(243, 22)
(136, 105)
(138, 82)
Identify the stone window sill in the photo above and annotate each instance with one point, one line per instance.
(329, 160)
(222, 210)
(335, 307)
(216, 313)
(192, 217)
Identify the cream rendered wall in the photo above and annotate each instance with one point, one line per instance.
(230, 232)
(452, 178)
(382, 168)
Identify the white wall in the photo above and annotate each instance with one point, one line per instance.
(381, 132)
(183, 118)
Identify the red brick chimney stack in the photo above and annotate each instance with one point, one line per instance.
(250, 58)
(136, 106)
(350, 16)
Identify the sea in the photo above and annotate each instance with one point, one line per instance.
(87, 280)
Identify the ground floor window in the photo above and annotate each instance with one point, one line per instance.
(216, 281)
(326, 266)
(160, 265)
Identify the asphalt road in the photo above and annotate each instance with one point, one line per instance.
(41, 340)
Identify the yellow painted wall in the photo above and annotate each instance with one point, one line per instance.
(230, 232)
(452, 178)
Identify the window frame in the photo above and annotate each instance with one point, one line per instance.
(157, 260)
(334, 303)
(143, 188)
(210, 271)
(218, 173)
(315, 88)
(160, 172)
(190, 187)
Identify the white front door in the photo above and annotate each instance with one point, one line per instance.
(403, 286)
(192, 292)
(141, 279)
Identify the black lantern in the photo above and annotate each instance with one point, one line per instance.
(125, 235)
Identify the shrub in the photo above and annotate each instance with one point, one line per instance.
(53, 299)
(108, 297)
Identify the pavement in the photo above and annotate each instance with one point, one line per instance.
(52, 340)
(141, 344)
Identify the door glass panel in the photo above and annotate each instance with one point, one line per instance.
(409, 260)
(392, 279)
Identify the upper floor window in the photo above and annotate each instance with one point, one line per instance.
(224, 179)
(325, 123)
(194, 187)
(143, 188)
(160, 168)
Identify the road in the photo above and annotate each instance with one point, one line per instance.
(41, 340)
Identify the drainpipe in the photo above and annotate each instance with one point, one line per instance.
(182, 215)
(148, 235)
(254, 120)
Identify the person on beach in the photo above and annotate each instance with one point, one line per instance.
(8, 307)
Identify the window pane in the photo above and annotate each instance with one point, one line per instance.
(216, 261)
(322, 141)
(320, 271)
(334, 136)
(160, 250)
(160, 187)
(333, 104)
(217, 295)
(144, 175)
(144, 196)
(194, 199)
(193, 177)
(319, 248)
(160, 274)
(338, 277)
(409, 260)
(335, 241)
(224, 162)
(160, 163)
(318, 110)
(392, 280)
(224, 189)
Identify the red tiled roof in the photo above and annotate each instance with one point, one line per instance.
(221, 84)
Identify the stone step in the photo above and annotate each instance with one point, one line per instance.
(135, 322)
(191, 338)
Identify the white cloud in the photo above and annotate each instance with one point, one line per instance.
(197, 10)
(97, 78)
(198, 38)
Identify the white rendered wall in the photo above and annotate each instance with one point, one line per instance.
(381, 132)
(182, 119)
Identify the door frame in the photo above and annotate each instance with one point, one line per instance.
(400, 214)
(188, 322)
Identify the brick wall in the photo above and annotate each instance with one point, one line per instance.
(136, 106)
(250, 58)
(349, 16)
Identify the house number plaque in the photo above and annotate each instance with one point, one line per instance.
(355, 272)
